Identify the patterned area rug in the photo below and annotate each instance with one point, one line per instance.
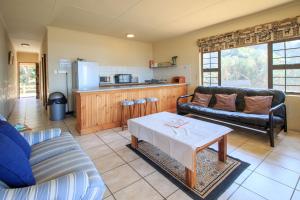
(213, 176)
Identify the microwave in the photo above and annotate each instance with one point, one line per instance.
(123, 78)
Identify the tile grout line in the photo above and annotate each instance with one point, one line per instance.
(127, 163)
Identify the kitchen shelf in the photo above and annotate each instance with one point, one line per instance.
(167, 66)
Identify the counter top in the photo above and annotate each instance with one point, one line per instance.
(126, 87)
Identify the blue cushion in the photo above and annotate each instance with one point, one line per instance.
(9, 131)
(15, 169)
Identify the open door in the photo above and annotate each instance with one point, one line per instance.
(28, 80)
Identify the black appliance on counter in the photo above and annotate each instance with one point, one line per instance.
(123, 78)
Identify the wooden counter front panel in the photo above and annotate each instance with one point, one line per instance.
(102, 110)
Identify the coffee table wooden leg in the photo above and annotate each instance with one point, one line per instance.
(134, 142)
(223, 148)
(191, 175)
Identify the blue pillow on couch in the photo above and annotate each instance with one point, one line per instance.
(10, 131)
(15, 170)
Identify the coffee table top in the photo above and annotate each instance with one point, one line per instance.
(176, 142)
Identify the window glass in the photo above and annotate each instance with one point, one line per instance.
(245, 67)
(210, 78)
(286, 53)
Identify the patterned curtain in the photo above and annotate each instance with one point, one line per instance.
(274, 31)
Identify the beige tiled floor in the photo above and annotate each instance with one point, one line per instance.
(274, 172)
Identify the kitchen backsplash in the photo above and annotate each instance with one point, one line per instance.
(143, 73)
(169, 72)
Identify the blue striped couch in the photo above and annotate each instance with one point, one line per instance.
(61, 169)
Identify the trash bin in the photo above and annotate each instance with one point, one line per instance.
(57, 104)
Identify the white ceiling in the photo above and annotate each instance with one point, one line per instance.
(149, 20)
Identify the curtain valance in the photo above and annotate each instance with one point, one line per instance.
(274, 31)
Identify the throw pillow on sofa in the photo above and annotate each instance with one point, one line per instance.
(225, 102)
(202, 99)
(15, 169)
(258, 104)
(10, 131)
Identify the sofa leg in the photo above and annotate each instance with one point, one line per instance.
(271, 135)
(285, 127)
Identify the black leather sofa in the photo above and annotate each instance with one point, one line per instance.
(255, 122)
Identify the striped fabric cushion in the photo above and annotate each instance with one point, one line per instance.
(70, 161)
(40, 136)
(72, 186)
(3, 185)
(50, 148)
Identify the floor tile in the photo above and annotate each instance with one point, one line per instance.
(118, 144)
(87, 138)
(120, 177)
(289, 147)
(284, 161)
(229, 192)
(109, 198)
(117, 129)
(267, 188)
(108, 162)
(126, 134)
(254, 161)
(142, 167)
(98, 151)
(179, 194)
(278, 173)
(243, 176)
(161, 184)
(90, 143)
(127, 154)
(109, 137)
(298, 185)
(296, 195)
(244, 194)
(255, 150)
(138, 190)
(106, 193)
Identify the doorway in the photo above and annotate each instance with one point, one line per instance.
(28, 79)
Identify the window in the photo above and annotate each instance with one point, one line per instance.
(286, 66)
(273, 65)
(210, 69)
(245, 67)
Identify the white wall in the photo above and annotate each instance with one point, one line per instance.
(106, 51)
(186, 49)
(8, 74)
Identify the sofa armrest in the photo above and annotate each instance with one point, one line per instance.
(71, 186)
(183, 97)
(40, 136)
(273, 109)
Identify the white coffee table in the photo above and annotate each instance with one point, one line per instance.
(181, 143)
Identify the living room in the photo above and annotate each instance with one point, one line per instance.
(143, 99)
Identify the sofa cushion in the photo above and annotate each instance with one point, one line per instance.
(15, 169)
(202, 99)
(65, 163)
(278, 96)
(72, 186)
(258, 104)
(225, 102)
(9, 131)
(244, 118)
(53, 147)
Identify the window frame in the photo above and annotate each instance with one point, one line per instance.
(218, 69)
(271, 67)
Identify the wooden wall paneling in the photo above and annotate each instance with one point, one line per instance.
(102, 109)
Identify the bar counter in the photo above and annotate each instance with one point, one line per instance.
(100, 108)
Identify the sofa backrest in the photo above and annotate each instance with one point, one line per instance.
(278, 96)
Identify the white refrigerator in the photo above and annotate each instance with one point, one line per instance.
(85, 75)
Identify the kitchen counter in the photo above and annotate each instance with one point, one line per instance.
(127, 86)
(100, 108)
